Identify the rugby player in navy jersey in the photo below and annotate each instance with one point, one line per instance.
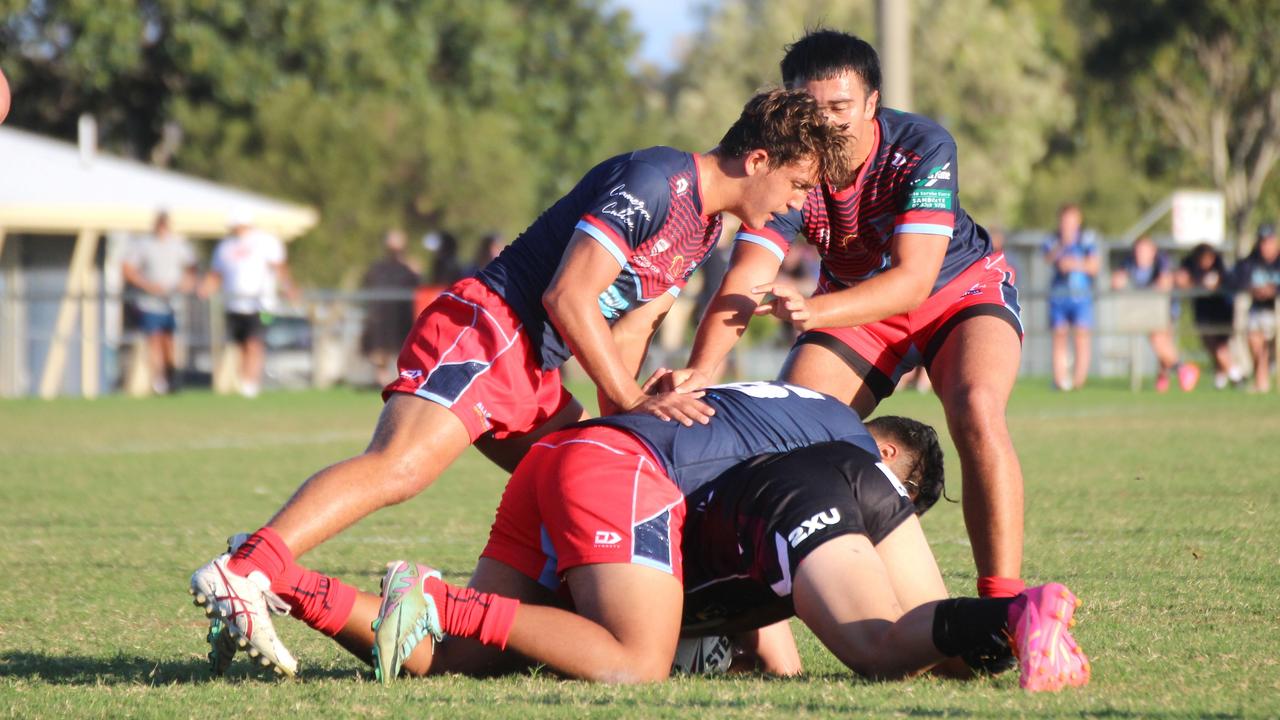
(907, 279)
(793, 507)
(592, 277)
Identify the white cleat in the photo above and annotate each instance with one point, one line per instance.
(246, 605)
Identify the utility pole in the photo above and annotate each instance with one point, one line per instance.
(893, 25)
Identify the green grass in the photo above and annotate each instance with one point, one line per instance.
(1159, 511)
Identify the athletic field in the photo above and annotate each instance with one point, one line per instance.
(1161, 512)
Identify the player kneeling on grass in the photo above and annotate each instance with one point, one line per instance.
(793, 507)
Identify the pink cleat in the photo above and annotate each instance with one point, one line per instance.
(1188, 376)
(1048, 657)
(1162, 382)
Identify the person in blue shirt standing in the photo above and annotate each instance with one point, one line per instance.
(1073, 254)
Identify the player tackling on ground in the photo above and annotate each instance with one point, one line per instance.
(592, 277)
(820, 526)
(907, 279)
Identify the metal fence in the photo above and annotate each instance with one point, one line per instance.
(317, 343)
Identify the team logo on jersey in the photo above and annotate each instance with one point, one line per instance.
(676, 268)
(941, 172)
(607, 538)
(682, 186)
(628, 209)
(661, 246)
(813, 525)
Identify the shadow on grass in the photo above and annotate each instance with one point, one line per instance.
(136, 670)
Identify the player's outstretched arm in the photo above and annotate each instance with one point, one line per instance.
(728, 313)
(916, 259)
(572, 303)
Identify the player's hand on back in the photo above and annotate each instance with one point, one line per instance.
(685, 407)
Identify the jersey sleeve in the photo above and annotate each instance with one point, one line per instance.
(883, 501)
(776, 235)
(632, 207)
(928, 206)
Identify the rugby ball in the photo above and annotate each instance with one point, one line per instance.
(4, 96)
(703, 656)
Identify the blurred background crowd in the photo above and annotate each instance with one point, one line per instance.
(241, 194)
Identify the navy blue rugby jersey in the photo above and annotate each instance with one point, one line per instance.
(909, 184)
(752, 418)
(644, 207)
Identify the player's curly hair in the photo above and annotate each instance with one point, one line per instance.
(926, 479)
(789, 126)
(824, 53)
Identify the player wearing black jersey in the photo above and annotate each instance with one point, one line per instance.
(823, 528)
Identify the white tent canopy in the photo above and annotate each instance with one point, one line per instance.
(47, 188)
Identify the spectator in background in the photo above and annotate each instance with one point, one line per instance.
(446, 266)
(156, 267)
(1073, 255)
(487, 251)
(249, 266)
(1259, 275)
(388, 317)
(1146, 267)
(1203, 269)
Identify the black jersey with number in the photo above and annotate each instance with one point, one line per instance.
(747, 531)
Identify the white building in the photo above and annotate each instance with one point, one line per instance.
(65, 215)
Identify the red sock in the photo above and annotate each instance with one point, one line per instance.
(472, 614)
(264, 552)
(1000, 587)
(320, 601)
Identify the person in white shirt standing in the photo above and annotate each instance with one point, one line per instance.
(249, 265)
(157, 267)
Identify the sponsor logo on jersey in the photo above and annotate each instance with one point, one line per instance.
(929, 199)
(484, 414)
(627, 209)
(940, 172)
(607, 538)
(661, 246)
(682, 186)
(676, 268)
(898, 160)
(813, 525)
(410, 374)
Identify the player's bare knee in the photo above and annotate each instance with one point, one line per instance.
(975, 408)
(397, 476)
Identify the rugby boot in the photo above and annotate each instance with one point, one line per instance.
(1048, 657)
(407, 616)
(245, 605)
(222, 646)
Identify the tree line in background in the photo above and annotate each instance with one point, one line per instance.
(471, 117)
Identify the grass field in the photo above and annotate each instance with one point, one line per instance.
(1159, 511)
